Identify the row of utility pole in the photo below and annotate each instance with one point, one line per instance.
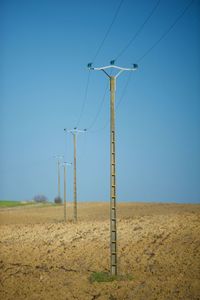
(59, 158)
(75, 132)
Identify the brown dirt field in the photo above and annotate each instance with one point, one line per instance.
(43, 258)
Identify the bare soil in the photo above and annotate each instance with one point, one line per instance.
(41, 257)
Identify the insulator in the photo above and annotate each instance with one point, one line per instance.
(89, 65)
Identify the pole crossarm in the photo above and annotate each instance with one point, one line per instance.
(59, 157)
(75, 130)
(112, 66)
(66, 164)
(115, 67)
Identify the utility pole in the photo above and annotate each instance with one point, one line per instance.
(113, 215)
(64, 166)
(59, 158)
(75, 132)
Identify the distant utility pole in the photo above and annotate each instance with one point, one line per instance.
(113, 217)
(75, 132)
(59, 158)
(64, 166)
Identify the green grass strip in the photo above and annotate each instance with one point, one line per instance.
(7, 203)
(106, 277)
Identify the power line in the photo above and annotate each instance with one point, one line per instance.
(120, 54)
(124, 90)
(100, 129)
(84, 100)
(95, 56)
(108, 30)
(99, 109)
(148, 51)
(153, 46)
(138, 31)
(117, 104)
(167, 31)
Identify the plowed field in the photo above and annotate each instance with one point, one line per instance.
(41, 257)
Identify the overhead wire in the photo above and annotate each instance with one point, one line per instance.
(148, 51)
(99, 109)
(95, 56)
(167, 31)
(84, 99)
(138, 31)
(108, 30)
(117, 105)
(124, 90)
(121, 53)
(155, 44)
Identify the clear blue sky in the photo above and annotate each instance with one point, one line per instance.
(45, 47)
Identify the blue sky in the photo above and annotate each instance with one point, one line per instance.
(45, 47)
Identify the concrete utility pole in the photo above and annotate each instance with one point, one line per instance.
(64, 166)
(59, 158)
(113, 216)
(75, 132)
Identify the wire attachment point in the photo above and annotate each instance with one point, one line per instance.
(135, 66)
(89, 65)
